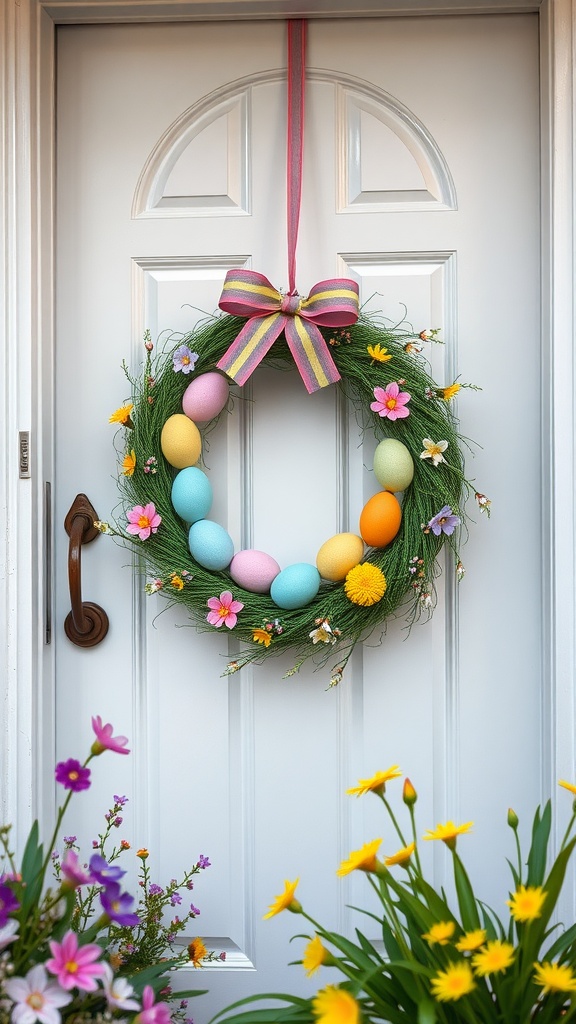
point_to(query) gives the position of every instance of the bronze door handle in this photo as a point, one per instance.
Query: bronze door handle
(87, 624)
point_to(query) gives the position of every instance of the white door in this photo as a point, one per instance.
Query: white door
(421, 180)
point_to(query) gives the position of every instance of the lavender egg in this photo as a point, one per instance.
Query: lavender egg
(254, 570)
(205, 397)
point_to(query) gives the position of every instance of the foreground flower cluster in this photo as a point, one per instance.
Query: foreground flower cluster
(84, 948)
(466, 964)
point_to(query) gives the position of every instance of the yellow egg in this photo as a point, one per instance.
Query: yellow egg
(180, 441)
(393, 465)
(338, 555)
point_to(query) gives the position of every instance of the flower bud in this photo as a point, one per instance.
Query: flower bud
(143, 854)
(409, 794)
(512, 819)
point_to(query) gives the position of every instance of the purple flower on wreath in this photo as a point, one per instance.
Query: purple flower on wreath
(8, 903)
(443, 522)
(391, 402)
(102, 872)
(72, 775)
(116, 906)
(184, 360)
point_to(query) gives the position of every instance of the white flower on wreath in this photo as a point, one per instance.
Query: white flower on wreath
(433, 450)
(324, 634)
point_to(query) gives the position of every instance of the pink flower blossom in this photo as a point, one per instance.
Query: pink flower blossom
(391, 402)
(153, 1013)
(223, 610)
(36, 997)
(74, 965)
(74, 874)
(105, 740)
(143, 520)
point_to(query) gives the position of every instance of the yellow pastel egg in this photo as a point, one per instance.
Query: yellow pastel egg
(393, 465)
(338, 555)
(180, 441)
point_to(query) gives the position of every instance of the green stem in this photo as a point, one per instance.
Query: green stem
(393, 819)
(519, 855)
(416, 854)
(568, 830)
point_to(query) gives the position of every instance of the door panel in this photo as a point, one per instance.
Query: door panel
(421, 180)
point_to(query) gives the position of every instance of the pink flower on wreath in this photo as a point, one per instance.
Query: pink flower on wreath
(223, 610)
(391, 402)
(143, 520)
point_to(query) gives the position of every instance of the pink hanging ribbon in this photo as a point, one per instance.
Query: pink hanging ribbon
(332, 303)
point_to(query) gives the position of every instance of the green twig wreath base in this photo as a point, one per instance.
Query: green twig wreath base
(409, 563)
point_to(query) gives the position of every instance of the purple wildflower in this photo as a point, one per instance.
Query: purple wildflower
(443, 522)
(194, 910)
(74, 873)
(72, 775)
(203, 862)
(155, 890)
(69, 840)
(116, 903)
(184, 360)
(102, 872)
(117, 821)
(120, 800)
(175, 899)
(8, 903)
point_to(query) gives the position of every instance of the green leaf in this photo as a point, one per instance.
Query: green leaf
(561, 944)
(427, 1013)
(515, 874)
(297, 1009)
(465, 894)
(31, 870)
(539, 846)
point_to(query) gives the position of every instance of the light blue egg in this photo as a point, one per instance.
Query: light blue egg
(210, 545)
(295, 586)
(192, 494)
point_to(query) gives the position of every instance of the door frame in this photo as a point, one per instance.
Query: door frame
(27, 39)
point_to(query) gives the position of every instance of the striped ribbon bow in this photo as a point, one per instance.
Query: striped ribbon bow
(331, 303)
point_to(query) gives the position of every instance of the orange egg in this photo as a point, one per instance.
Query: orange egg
(380, 519)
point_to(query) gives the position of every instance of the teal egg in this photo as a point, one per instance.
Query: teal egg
(295, 586)
(210, 545)
(393, 465)
(192, 494)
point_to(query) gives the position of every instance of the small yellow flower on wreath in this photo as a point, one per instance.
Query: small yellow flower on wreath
(365, 584)
(378, 354)
(460, 960)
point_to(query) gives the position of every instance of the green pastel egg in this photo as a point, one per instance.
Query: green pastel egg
(393, 465)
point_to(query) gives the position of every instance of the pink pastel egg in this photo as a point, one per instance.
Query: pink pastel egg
(254, 570)
(205, 397)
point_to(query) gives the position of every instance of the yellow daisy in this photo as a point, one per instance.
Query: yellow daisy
(361, 860)
(262, 636)
(471, 941)
(122, 416)
(448, 832)
(365, 584)
(453, 983)
(527, 902)
(495, 958)
(315, 955)
(568, 785)
(555, 977)
(285, 901)
(378, 354)
(377, 784)
(401, 856)
(333, 1005)
(440, 933)
(129, 463)
(197, 951)
(450, 391)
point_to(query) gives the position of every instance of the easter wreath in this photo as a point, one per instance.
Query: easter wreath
(386, 377)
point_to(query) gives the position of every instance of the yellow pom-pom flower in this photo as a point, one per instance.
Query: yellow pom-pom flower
(365, 584)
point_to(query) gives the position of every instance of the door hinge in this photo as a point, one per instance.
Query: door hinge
(24, 454)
